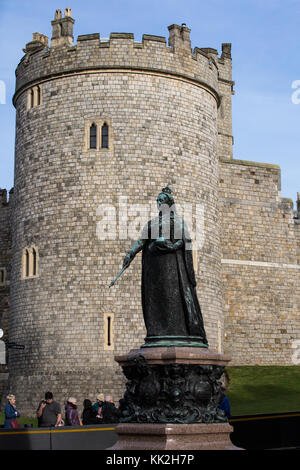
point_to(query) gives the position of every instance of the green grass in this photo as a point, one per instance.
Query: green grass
(263, 389)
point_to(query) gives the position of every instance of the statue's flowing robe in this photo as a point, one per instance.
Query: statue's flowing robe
(169, 298)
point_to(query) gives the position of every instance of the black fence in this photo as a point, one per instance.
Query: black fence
(251, 432)
(266, 431)
(94, 437)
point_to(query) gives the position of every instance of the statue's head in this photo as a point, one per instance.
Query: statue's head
(165, 197)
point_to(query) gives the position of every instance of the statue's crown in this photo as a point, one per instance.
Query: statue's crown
(167, 190)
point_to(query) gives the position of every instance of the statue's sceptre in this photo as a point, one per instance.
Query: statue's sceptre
(116, 278)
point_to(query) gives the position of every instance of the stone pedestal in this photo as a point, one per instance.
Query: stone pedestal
(174, 437)
(175, 354)
(171, 400)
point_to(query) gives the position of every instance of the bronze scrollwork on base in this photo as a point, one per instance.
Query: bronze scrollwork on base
(171, 393)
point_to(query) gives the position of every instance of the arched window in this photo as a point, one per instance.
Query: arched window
(38, 95)
(104, 136)
(93, 136)
(98, 135)
(34, 97)
(30, 260)
(31, 98)
(34, 262)
(26, 263)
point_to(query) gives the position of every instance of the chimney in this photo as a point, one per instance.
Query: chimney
(62, 29)
(38, 40)
(179, 37)
(226, 50)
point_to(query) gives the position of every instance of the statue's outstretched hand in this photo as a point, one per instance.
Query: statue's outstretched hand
(127, 260)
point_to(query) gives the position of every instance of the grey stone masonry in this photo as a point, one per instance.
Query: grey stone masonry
(161, 106)
(166, 111)
(260, 263)
(5, 270)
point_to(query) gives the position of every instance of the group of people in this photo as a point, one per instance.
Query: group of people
(103, 411)
(49, 412)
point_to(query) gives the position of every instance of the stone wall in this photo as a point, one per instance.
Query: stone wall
(261, 265)
(168, 108)
(161, 105)
(5, 258)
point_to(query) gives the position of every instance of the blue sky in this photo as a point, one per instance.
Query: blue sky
(265, 37)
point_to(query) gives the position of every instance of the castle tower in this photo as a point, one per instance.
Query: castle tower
(106, 123)
(5, 269)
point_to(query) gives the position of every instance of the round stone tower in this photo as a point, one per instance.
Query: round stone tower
(101, 127)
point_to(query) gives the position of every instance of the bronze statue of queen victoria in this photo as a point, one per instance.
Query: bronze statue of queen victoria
(164, 385)
(171, 308)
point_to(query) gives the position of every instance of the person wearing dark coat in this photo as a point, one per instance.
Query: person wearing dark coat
(224, 404)
(89, 414)
(110, 413)
(72, 418)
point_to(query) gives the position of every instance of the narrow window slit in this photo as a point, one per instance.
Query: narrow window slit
(108, 331)
(93, 136)
(104, 136)
(34, 262)
(27, 263)
(38, 96)
(31, 98)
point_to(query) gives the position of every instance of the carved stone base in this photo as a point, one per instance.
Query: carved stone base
(172, 385)
(174, 437)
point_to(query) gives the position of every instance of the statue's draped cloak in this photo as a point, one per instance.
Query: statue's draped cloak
(169, 298)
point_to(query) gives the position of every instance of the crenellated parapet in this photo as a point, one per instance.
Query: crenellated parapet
(92, 54)
(5, 199)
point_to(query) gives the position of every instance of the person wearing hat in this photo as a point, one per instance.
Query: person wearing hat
(98, 405)
(72, 417)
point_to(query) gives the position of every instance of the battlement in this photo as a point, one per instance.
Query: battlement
(3, 196)
(4, 200)
(39, 41)
(120, 52)
(297, 211)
